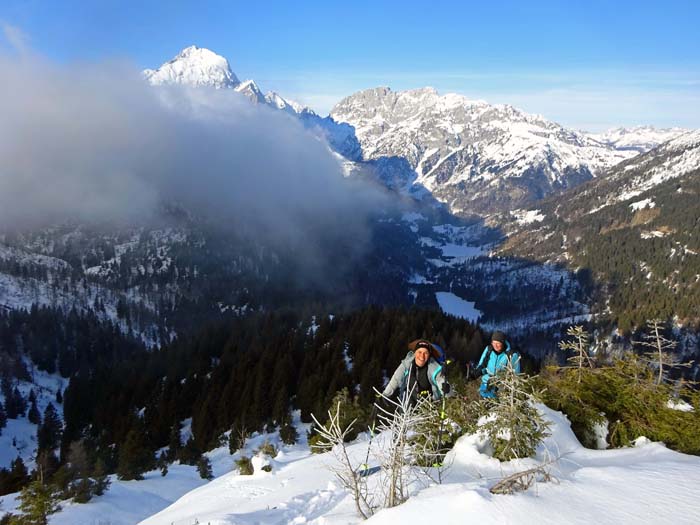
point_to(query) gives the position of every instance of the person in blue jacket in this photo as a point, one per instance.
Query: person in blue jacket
(495, 357)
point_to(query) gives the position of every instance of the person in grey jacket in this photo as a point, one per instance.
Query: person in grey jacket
(419, 374)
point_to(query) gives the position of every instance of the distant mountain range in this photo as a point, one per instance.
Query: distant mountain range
(640, 138)
(475, 157)
(498, 167)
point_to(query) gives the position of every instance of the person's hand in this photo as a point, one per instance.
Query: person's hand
(446, 388)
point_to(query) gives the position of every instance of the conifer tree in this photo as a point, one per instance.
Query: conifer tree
(49, 432)
(83, 490)
(579, 346)
(134, 457)
(3, 418)
(14, 479)
(204, 468)
(658, 349)
(288, 433)
(37, 502)
(8, 394)
(162, 463)
(189, 454)
(33, 415)
(19, 401)
(174, 443)
(99, 474)
(515, 427)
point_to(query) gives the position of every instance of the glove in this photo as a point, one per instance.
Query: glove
(446, 388)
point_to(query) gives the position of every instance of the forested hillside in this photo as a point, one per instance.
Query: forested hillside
(125, 402)
(636, 231)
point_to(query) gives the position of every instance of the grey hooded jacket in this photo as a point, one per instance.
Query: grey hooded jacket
(399, 379)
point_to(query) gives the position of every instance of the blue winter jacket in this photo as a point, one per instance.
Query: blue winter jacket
(496, 362)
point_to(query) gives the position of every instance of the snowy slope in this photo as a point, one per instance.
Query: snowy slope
(471, 154)
(18, 438)
(617, 486)
(642, 485)
(671, 160)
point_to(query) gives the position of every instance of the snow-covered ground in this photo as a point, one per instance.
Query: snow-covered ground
(18, 438)
(646, 484)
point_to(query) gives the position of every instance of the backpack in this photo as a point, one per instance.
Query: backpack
(509, 351)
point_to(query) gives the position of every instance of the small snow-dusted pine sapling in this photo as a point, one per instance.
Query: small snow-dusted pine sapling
(99, 474)
(237, 438)
(267, 449)
(430, 438)
(578, 344)
(245, 466)
(658, 350)
(514, 427)
(288, 434)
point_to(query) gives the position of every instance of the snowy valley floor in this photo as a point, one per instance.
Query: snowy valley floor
(646, 484)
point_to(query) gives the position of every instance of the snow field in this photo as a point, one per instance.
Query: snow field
(646, 484)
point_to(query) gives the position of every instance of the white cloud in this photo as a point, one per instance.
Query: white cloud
(14, 36)
(96, 143)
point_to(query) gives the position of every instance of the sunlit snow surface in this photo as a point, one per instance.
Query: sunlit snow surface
(647, 484)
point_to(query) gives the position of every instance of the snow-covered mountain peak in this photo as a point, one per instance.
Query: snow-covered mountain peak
(251, 90)
(290, 106)
(194, 66)
(464, 150)
(638, 138)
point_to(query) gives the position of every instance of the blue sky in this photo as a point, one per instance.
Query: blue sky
(587, 64)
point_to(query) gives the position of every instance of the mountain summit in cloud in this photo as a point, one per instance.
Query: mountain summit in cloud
(199, 67)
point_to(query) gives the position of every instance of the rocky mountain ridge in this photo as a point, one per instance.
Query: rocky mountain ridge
(474, 156)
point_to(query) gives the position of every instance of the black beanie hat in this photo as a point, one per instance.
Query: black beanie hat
(498, 336)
